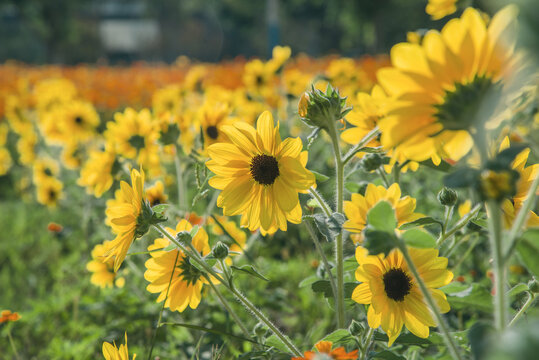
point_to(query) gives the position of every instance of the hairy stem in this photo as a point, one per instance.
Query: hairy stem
(527, 304)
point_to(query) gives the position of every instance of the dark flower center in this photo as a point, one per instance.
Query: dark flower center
(469, 104)
(47, 171)
(52, 195)
(137, 141)
(79, 120)
(397, 284)
(264, 169)
(189, 273)
(259, 80)
(212, 132)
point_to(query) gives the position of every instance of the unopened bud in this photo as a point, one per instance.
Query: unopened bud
(260, 330)
(371, 162)
(220, 250)
(533, 285)
(447, 197)
(184, 237)
(322, 110)
(356, 328)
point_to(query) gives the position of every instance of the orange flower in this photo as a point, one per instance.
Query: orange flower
(7, 315)
(324, 347)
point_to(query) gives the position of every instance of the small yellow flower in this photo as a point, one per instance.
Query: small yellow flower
(111, 352)
(97, 173)
(173, 268)
(392, 292)
(102, 272)
(49, 191)
(259, 175)
(438, 9)
(156, 194)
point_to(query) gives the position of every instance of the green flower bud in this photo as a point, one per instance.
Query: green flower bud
(220, 250)
(260, 330)
(447, 197)
(184, 237)
(320, 109)
(356, 328)
(371, 162)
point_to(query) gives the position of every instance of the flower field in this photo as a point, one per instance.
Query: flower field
(296, 207)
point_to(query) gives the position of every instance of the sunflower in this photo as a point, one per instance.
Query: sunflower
(438, 9)
(325, 351)
(212, 119)
(392, 292)
(5, 161)
(173, 268)
(78, 119)
(167, 100)
(356, 210)
(125, 218)
(26, 147)
(259, 77)
(446, 87)
(111, 352)
(98, 171)
(259, 175)
(156, 194)
(511, 207)
(51, 93)
(102, 272)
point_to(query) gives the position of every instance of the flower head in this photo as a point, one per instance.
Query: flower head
(102, 272)
(172, 275)
(325, 351)
(7, 315)
(388, 286)
(438, 9)
(260, 175)
(98, 171)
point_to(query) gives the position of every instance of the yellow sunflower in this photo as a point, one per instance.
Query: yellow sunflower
(259, 77)
(26, 147)
(156, 194)
(444, 88)
(173, 267)
(393, 294)
(438, 9)
(44, 168)
(102, 272)
(356, 210)
(97, 173)
(124, 218)
(5, 161)
(167, 100)
(78, 120)
(49, 191)
(111, 352)
(212, 118)
(259, 175)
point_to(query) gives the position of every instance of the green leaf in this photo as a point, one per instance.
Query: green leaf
(249, 269)
(506, 157)
(330, 227)
(355, 187)
(444, 166)
(320, 177)
(196, 264)
(517, 289)
(324, 286)
(528, 251)
(460, 178)
(193, 231)
(274, 341)
(160, 208)
(378, 242)
(404, 338)
(478, 335)
(419, 239)
(382, 217)
(341, 337)
(474, 296)
(424, 221)
(385, 354)
(308, 281)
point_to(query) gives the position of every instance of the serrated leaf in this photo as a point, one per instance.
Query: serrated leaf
(320, 177)
(249, 269)
(419, 239)
(528, 251)
(424, 221)
(382, 217)
(474, 296)
(275, 342)
(330, 227)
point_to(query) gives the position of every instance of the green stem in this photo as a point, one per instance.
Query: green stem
(321, 202)
(448, 213)
(228, 308)
(495, 230)
(467, 253)
(459, 225)
(382, 174)
(318, 246)
(431, 303)
(367, 343)
(12, 343)
(257, 313)
(527, 304)
(521, 217)
(182, 201)
(339, 256)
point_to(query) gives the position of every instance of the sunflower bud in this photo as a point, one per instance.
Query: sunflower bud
(184, 237)
(447, 197)
(260, 330)
(533, 285)
(320, 109)
(356, 328)
(220, 250)
(371, 162)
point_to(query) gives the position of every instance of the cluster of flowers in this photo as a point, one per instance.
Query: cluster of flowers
(432, 102)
